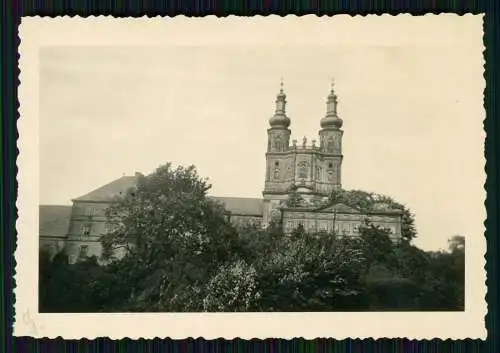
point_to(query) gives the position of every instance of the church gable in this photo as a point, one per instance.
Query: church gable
(338, 208)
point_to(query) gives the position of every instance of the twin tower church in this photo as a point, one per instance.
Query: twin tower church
(299, 179)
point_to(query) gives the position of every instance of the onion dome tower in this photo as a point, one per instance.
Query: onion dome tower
(331, 119)
(331, 141)
(279, 119)
(279, 133)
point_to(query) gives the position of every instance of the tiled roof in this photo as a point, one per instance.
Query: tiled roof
(110, 190)
(236, 205)
(54, 220)
(241, 205)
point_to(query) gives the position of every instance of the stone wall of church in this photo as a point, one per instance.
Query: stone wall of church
(271, 207)
(342, 223)
(307, 166)
(246, 220)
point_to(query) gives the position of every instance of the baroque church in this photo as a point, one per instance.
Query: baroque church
(299, 179)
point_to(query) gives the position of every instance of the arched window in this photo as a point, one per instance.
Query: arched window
(331, 175)
(277, 143)
(318, 173)
(303, 170)
(276, 173)
(329, 145)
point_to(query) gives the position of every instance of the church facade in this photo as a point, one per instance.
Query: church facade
(299, 179)
(311, 172)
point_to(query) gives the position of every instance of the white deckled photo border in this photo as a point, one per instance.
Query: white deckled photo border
(37, 32)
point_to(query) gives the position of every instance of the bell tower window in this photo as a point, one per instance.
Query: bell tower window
(303, 170)
(276, 173)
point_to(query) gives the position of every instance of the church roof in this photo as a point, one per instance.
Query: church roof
(110, 190)
(54, 220)
(241, 205)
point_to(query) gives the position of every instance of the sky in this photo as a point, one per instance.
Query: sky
(412, 119)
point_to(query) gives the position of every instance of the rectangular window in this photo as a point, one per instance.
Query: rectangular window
(85, 230)
(84, 249)
(109, 228)
(90, 212)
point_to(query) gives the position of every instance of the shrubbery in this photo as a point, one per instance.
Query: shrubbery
(183, 255)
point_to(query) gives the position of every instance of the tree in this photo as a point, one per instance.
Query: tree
(377, 247)
(67, 288)
(456, 244)
(366, 201)
(173, 237)
(308, 272)
(180, 253)
(232, 288)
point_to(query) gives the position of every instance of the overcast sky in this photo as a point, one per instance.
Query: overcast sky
(412, 119)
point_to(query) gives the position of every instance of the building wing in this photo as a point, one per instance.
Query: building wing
(241, 205)
(54, 220)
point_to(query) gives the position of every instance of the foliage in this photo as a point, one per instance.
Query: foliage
(313, 272)
(368, 201)
(179, 253)
(232, 288)
(175, 237)
(65, 288)
(405, 277)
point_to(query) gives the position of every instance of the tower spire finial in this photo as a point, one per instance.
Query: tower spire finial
(280, 119)
(331, 119)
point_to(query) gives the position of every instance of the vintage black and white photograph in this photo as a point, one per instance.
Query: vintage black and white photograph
(300, 174)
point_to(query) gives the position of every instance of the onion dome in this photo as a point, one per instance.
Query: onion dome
(331, 120)
(279, 119)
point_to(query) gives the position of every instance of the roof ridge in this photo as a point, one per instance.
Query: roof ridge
(95, 192)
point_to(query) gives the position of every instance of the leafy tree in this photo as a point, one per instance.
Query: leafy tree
(174, 238)
(179, 253)
(232, 288)
(367, 201)
(313, 272)
(456, 244)
(376, 246)
(67, 288)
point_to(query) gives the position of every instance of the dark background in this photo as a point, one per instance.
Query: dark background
(12, 11)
